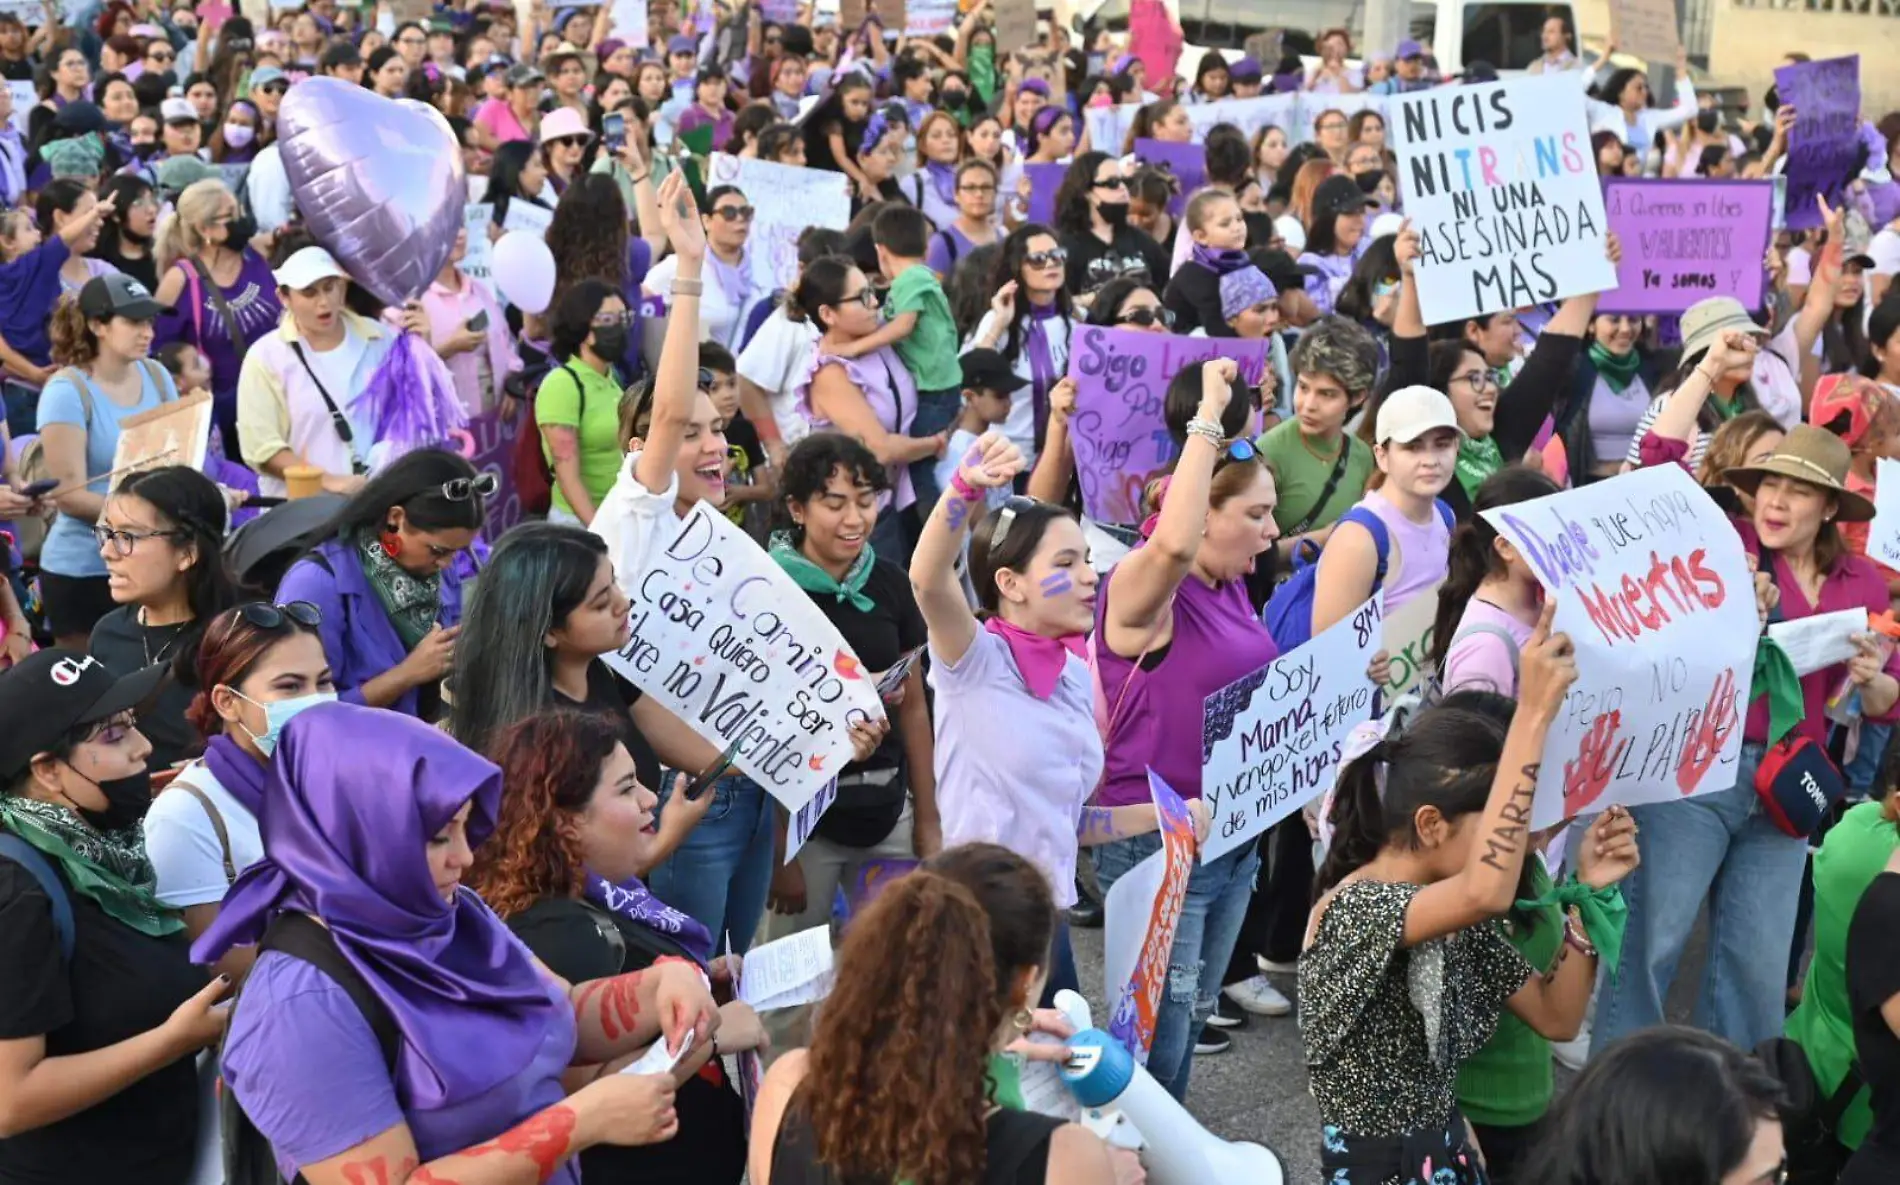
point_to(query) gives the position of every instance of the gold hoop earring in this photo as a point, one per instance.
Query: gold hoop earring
(1023, 1019)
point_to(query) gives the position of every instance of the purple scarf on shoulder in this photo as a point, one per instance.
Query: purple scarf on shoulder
(635, 902)
(238, 772)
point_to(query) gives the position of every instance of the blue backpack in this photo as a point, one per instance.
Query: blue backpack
(13, 848)
(1289, 612)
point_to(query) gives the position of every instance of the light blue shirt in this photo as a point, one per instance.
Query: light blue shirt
(69, 549)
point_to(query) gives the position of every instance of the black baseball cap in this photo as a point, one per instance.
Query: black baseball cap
(1338, 194)
(1285, 272)
(117, 295)
(987, 370)
(46, 695)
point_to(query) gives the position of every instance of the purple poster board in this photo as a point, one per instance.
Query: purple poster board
(1821, 146)
(494, 452)
(1687, 240)
(1044, 180)
(1121, 379)
(1188, 163)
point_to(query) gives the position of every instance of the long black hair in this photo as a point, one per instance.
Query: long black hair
(414, 482)
(1073, 213)
(194, 506)
(1446, 758)
(1665, 1104)
(1379, 265)
(1009, 269)
(1474, 555)
(504, 178)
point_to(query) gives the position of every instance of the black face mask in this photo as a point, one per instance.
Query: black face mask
(127, 800)
(954, 100)
(239, 231)
(147, 151)
(1113, 213)
(610, 342)
(1706, 120)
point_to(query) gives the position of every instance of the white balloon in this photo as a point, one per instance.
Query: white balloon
(523, 269)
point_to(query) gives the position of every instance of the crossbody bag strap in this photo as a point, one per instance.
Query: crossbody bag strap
(1326, 491)
(217, 825)
(218, 302)
(337, 418)
(1154, 635)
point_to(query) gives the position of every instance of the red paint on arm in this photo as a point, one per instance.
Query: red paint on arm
(545, 1138)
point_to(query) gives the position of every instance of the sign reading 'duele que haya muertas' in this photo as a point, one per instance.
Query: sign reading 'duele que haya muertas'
(725, 640)
(1501, 186)
(1653, 588)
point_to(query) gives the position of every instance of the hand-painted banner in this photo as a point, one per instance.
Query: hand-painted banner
(1188, 163)
(1138, 996)
(1648, 29)
(1407, 642)
(1270, 740)
(494, 436)
(1824, 140)
(1249, 115)
(1653, 587)
(1044, 180)
(1118, 432)
(787, 199)
(1500, 182)
(1687, 240)
(927, 18)
(727, 642)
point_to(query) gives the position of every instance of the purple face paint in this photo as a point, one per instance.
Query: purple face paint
(956, 513)
(1055, 584)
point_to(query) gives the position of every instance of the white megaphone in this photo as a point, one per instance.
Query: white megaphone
(1116, 1093)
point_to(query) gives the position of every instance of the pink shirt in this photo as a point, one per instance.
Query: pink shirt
(1481, 660)
(449, 310)
(498, 118)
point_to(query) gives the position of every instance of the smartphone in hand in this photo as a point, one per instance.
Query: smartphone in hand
(697, 788)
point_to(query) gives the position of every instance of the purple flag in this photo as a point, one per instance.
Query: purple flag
(1687, 240)
(1044, 180)
(1121, 380)
(1188, 163)
(1823, 143)
(494, 452)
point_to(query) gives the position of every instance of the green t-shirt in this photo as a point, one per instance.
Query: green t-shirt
(1853, 853)
(592, 408)
(1299, 476)
(1509, 1082)
(930, 352)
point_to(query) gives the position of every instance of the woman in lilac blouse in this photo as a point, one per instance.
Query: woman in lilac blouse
(1723, 847)
(1335, 239)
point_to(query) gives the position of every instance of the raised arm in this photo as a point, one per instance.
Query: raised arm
(675, 386)
(1055, 464)
(990, 464)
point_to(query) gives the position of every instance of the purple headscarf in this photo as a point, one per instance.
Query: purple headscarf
(1243, 289)
(352, 799)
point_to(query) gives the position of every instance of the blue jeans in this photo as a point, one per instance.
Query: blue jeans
(1061, 966)
(23, 405)
(1861, 773)
(722, 872)
(1722, 848)
(1204, 939)
(936, 410)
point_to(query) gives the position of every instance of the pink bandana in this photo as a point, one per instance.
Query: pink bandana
(1040, 659)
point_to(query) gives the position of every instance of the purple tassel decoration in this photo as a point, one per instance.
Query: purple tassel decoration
(412, 401)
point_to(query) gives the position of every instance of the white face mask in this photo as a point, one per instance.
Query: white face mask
(237, 135)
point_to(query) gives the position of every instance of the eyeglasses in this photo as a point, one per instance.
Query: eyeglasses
(273, 88)
(410, 40)
(122, 543)
(569, 141)
(1111, 183)
(265, 616)
(976, 189)
(1332, 125)
(866, 296)
(735, 213)
(1147, 317)
(161, 57)
(1006, 518)
(1477, 380)
(609, 320)
(1053, 258)
(459, 489)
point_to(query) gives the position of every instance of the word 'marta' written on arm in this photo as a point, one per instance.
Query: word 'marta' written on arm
(1505, 844)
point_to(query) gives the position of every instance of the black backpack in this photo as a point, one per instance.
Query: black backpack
(248, 1159)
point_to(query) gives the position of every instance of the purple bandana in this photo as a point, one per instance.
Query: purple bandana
(944, 177)
(1221, 262)
(635, 902)
(735, 279)
(238, 772)
(1042, 366)
(1243, 289)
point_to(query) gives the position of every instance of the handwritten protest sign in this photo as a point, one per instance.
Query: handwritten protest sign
(927, 18)
(1501, 184)
(1015, 25)
(1883, 534)
(1188, 163)
(24, 99)
(726, 641)
(1119, 435)
(789, 971)
(1107, 126)
(478, 262)
(1647, 28)
(1653, 588)
(1270, 740)
(788, 199)
(1313, 105)
(1826, 134)
(803, 822)
(630, 21)
(1153, 918)
(1249, 115)
(1407, 642)
(494, 437)
(174, 433)
(525, 215)
(1687, 240)
(1044, 180)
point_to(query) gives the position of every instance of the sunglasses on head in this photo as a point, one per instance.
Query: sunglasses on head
(735, 213)
(1146, 317)
(459, 489)
(266, 616)
(1006, 518)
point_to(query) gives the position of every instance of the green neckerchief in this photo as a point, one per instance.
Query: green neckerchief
(983, 72)
(1775, 678)
(1477, 460)
(1617, 370)
(813, 579)
(1604, 914)
(1006, 1081)
(109, 869)
(1725, 409)
(411, 602)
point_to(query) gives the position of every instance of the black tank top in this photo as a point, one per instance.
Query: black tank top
(1018, 1150)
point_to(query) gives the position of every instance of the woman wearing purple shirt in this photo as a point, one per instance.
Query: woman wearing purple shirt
(1173, 625)
(1335, 240)
(975, 223)
(709, 107)
(933, 187)
(391, 1018)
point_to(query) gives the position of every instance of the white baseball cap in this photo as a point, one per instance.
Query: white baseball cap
(307, 267)
(1385, 224)
(1410, 412)
(177, 110)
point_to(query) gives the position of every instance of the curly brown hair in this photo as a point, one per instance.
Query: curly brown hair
(588, 235)
(550, 764)
(71, 337)
(900, 1059)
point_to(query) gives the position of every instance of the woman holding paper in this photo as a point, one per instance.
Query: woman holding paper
(1625, 107)
(1725, 843)
(388, 999)
(1173, 625)
(563, 870)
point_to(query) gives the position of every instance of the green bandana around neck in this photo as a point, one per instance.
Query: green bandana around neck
(813, 579)
(1618, 371)
(110, 869)
(412, 602)
(1477, 460)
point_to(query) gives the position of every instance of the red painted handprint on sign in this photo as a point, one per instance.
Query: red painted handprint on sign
(1708, 734)
(1587, 774)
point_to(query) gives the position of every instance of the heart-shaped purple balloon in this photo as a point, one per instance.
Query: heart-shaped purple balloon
(378, 181)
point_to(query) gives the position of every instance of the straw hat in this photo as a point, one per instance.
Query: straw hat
(1813, 455)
